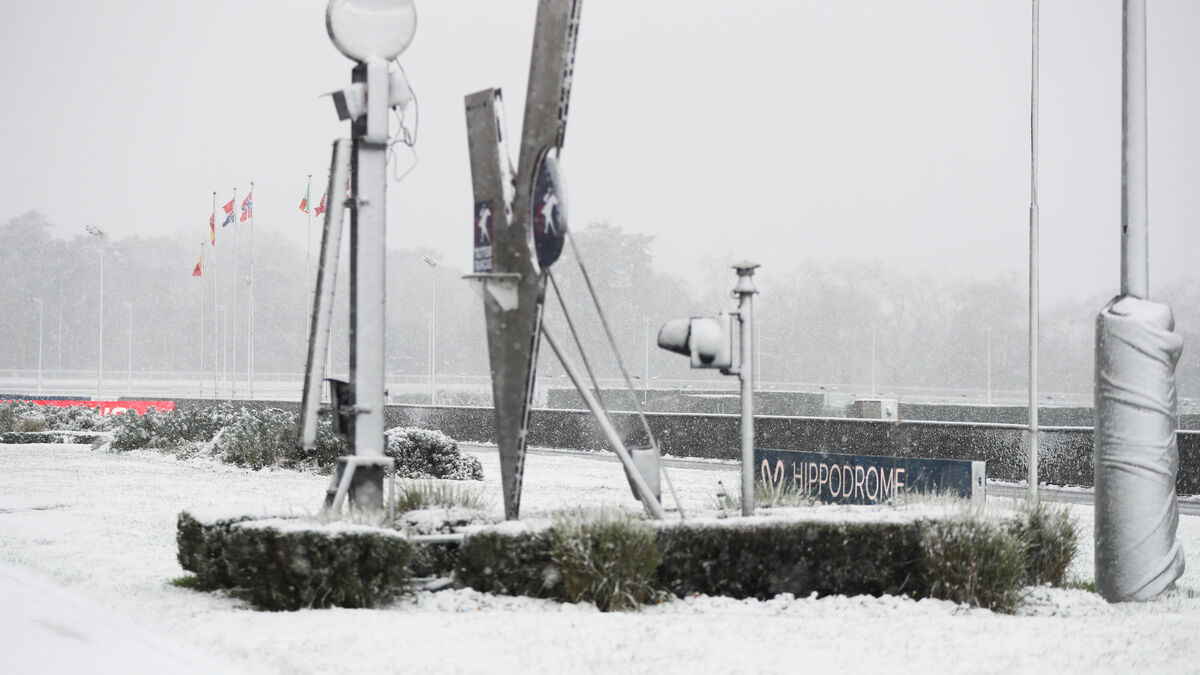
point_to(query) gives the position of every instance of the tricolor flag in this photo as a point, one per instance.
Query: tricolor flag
(196, 272)
(304, 202)
(320, 207)
(212, 228)
(228, 213)
(247, 207)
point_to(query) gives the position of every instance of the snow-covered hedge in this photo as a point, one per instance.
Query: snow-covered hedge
(968, 556)
(423, 453)
(266, 438)
(26, 417)
(290, 565)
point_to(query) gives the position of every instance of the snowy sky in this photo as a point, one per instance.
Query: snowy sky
(776, 131)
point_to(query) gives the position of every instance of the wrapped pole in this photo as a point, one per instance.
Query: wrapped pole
(1136, 459)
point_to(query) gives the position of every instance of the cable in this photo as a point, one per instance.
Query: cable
(578, 343)
(641, 413)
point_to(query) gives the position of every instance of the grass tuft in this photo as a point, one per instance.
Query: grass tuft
(610, 560)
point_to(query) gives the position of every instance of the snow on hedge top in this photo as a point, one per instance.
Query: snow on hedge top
(335, 528)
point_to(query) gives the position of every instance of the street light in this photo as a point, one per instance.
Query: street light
(97, 232)
(39, 302)
(129, 306)
(432, 329)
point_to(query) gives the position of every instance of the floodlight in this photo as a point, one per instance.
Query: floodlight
(371, 29)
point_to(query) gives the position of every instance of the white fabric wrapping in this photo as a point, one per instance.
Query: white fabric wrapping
(1136, 459)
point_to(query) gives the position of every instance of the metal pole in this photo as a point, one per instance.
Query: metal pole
(224, 343)
(1034, 263)
(39, 369)
(367, 280)
(202, 324)
(745, 291)
(989, 366)
(614, 438)
(874, 387)
(97, 232)
(232, 370)
(129, 306)
(250, 302)
(58, 368)
(308, 289)
(216, 294)
(432, 329)
(1135, 268)
(645, 359)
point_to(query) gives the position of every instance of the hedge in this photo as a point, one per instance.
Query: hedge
(288, 565)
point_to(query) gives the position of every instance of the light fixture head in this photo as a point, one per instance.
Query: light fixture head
(371, 29)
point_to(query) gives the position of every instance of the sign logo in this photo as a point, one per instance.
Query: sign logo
(865, 479)
(549, 217)
(485, 234)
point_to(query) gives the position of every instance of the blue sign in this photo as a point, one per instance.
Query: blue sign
(485, 235)
(549, 215)
(866, 479)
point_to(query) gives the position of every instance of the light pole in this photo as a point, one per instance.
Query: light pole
(989, 366)
(39, 302)
(97, 232)
(129, 391)
(646, 360)
(432, 328)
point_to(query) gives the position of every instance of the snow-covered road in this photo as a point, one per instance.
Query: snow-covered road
(91, 538)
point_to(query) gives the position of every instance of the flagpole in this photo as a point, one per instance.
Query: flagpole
(232, 370)
(216, 294)
(201, 267)
(308, 255)
(250, 301)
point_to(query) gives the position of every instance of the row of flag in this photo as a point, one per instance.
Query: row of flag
(247, 212)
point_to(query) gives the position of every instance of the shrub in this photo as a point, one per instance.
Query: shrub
(972, 559)
(75, 418)
(610, 561)
(1051, 542)
(423, 453)
(509, 563)
(282, 565)
(761, 558)
(201, 541)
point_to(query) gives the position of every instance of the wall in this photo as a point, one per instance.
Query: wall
(1065, 452)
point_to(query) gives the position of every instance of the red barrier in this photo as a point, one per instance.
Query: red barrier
(111, 407)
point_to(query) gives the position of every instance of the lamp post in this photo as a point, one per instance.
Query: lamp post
(97, 232)
(39, 303)
(129, 388)
(432, 329)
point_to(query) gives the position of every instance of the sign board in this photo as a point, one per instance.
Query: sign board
(109, 407)
(866, 479)
(549, 216)
(485, 235)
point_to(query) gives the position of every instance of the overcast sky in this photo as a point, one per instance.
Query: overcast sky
(776, 131)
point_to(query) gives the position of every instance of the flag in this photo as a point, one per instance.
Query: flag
(247, 207)
(304, 202)
(196, 272)
(320, 207)
(212, 228)
(347, 187)
(228, 214)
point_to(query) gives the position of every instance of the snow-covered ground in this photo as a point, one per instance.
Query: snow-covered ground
(87, 553)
